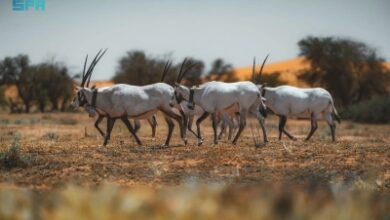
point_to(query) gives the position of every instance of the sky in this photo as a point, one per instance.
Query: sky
(203, 29)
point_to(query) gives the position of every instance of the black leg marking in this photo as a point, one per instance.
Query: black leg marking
(171, 125)
(241, 128)
(126, 121)
(282, 124)
(110, 125)
(97, 122)
(137, 125)
(313, 126)
(202, 118)
(215, 127)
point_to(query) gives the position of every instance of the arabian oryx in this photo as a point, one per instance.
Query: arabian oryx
(126, 101)
(313, 103)
(214, 97)
(137, 125)
(226, 118)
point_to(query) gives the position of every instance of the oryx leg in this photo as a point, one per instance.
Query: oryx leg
(261, 121)
(242, 125)
(282, 124)
(97, 122)
(314, 126)
(198, 121)
(235, 119)
(178, 119)
(110, 125)
(171, 126)
(153, 124)
(332, 125)
(126, 121)
(137, 125)
(189, 125)
(215, 126)
(223, 126)
(184, 121)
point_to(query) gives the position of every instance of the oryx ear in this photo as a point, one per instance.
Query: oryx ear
(93, 87)
(177, 84)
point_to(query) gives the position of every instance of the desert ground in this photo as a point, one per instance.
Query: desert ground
(68, 174)
(65, 148)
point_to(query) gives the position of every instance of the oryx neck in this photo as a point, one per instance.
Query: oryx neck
(90, 96)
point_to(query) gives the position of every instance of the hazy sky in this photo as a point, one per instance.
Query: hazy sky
(233, 30)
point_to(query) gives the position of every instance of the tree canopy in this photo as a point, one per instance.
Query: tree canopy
(351, 70)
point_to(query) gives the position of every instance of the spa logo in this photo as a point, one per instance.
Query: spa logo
(26, 5)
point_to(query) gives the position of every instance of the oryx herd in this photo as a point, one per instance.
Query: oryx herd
(229, 104)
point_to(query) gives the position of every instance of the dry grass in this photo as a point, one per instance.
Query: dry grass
(71, 153)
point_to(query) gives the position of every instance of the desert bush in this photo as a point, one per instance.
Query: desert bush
(50, 136)
(13, 157)
(376, 110)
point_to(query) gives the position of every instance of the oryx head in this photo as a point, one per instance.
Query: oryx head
(80, 100)
(262, 100)
(181, 92)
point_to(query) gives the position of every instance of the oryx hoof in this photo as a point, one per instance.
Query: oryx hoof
(185, 142)
(200, 142)
(266, 141)
(215, 142)
(164, 145)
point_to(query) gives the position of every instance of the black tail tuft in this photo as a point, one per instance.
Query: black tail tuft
(336, 117)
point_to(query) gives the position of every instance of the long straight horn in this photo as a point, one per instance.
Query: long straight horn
(87, 73)
(187, 69)
(166, 69)
(94, 64)
(253, 69)
(85, 65)
(262, 66)
(179, 77)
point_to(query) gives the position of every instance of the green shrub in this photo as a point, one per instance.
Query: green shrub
(12, 157)
(376, 110)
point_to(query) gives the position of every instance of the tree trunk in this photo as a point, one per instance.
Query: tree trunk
(54, 105)
(42, 106)
(26, 106)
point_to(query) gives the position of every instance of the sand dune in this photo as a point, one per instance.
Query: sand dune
(288, 69)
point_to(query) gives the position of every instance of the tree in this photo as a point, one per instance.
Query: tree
(350, 70)
(269, 79)
(3, 99)
(42, 83)
(138, 69)
(222, 71)
(15, 70)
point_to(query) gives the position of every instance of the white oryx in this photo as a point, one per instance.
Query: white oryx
(215, 97)
(225, 118)
(137, 125)
(126, 101)
(313, 103)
